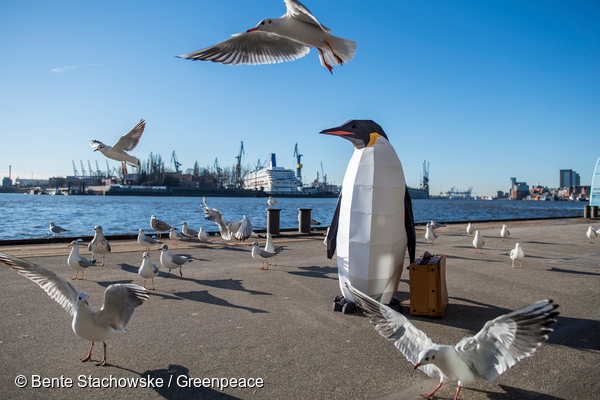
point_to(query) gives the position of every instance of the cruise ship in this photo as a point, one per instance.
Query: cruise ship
(272, 179)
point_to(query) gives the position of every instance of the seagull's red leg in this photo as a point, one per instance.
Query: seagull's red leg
(145, 283)
(89, 356)
(180, 273)
(457, 390)
(169, 274)
(325, 62)
(76, 273)
(430, 395)
(152, 288)
(275, 261)
(81, 275)
(103, 362)
(336, 56)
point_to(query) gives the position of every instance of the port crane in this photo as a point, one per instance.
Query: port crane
(298, 165)
(238, 167)
(323, 174)
(425, 181)
(83, 174)
(75, 169)
(176, 162)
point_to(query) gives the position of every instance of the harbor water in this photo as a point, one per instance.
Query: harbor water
(27, 216)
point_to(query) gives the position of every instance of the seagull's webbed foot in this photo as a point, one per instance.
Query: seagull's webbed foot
(339, 60)
(103, 362)
(89, 356)
(325, 62)
(430, 395)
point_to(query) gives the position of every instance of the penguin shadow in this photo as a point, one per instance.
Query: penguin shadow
(316, 272)
(175, 385)
(568, 271)
(202, 296)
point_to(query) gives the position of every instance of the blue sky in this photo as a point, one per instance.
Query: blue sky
(482, 90)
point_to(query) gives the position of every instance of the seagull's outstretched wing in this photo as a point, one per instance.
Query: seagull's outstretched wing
(394, 326)
(297, 10)
(56, 287)
(120, 302)
(128, 141)
(251, 48)
(507, 339)
(244, 232)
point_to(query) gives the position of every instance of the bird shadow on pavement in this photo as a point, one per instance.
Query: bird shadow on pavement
(229, 284)
(568, 271)
(512, 393)
(203, 296)
(129, 268)
(546, 243)
(108, 283)
(316, 272)
(237, 248)
(176, 385)
(471, 258)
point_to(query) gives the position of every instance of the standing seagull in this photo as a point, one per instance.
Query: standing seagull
(119, 150)
(188, 232)
(271, 202)
(76, 261)
(470, 229)
(591, 233)
(435, 225)
(478, 242)
(171, 261)
(261, 255)
(270, 247)
(99, 244)
(158, 225)
(517, 254)
(147, 269)
(504, 233)
(175, 236)
(57, 230)
(146, 241)
(430, 233)
(120, 301)
(498, 346)
(275, 40)
(203, 236)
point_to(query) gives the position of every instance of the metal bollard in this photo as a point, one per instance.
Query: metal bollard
(304, 219)
(594, 212)
(586, 212)
(273, 221)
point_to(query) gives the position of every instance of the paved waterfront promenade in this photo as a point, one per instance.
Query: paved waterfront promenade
(227, 319)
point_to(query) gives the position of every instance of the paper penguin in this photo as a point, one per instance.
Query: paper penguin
(373, 222)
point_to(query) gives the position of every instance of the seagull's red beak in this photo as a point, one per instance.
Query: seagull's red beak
(417, 365)
(251, 30)
(96, 149)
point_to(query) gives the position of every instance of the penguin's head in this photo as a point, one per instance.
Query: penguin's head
(362, 133)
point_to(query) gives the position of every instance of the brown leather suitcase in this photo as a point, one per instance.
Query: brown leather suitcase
(428, 292)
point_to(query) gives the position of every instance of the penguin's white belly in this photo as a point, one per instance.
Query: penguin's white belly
(372, 240)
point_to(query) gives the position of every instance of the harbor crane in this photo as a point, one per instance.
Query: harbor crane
(298, 165)
(98, 172)
(425, 182)
(323, 174)
(218, 171)
(90, 169)
(83, 174)
(176, 162)
(75, 169)
(108, 174)
(238, 168)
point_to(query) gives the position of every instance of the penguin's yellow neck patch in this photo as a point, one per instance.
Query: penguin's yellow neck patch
(374, 136)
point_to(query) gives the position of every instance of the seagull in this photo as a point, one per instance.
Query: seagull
(478, 242)
(171, 261)
(120, 301)
(158, 225)
(203, 236)
(430, 234)
(57, 230)
(99, 244)
(188, 232)
(147, 269)
(270, 247)
(435, 225)
(271, 202)
(314, 221)
(470, 229)
(226, 229)
(591, 233)
(76, 261)
(175, 236)
(498, 346)
(517, 254)
(119, 150)
(275, 40)
(146, 241)
(261, 255)
(504, 233)
(245, 230)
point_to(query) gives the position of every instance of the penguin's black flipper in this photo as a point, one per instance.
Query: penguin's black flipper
(333, 229)
(409, 226)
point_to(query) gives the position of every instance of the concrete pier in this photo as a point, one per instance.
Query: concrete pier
(226, 319)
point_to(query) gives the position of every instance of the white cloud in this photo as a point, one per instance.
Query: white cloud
(62, 69)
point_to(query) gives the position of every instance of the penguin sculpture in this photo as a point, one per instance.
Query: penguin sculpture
(373, 221)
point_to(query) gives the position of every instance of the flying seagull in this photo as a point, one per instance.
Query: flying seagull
(498, 346)
(120, 301)
(119, 150)
(227, 229)
(275, 40)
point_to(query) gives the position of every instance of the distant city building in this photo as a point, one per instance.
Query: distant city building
(569, 178)
(6, 182)
(518, 190)
(31, 182)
